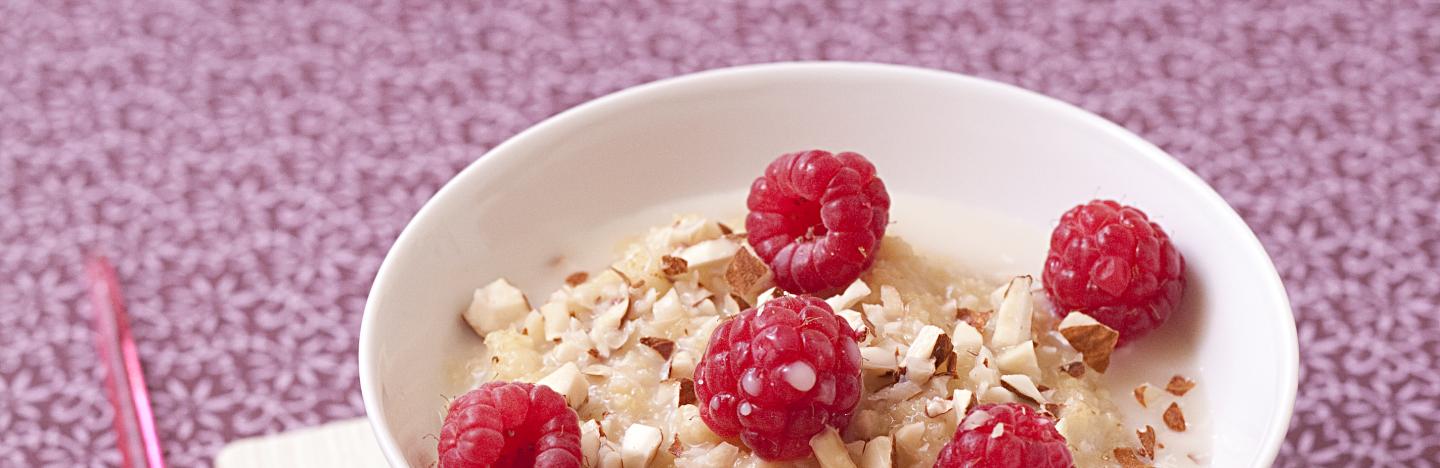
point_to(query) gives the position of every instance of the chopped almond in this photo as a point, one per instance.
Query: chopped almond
(830, 450)
(576, 278)
(1174, 419)
(1178, 385)
(975, 318)
(1075, 369)
(687, 392)
(1021, 385)
(675, 448)
(1140, 395)
(747, 275)
(660, 345)
(673, 266)
(1092, 339)
(1147, 441)
(1130, 458)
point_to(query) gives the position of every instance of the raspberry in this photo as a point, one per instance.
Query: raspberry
(817, 219)
(778, 375)
(1111, 262)
(1027, 439)
(510, 424)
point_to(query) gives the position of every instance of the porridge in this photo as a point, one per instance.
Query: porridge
(934, 354)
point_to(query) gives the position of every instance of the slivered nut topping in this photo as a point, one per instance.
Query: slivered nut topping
(576, 278)
(1092, 339)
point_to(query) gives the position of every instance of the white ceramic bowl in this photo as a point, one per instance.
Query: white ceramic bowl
(968, 140)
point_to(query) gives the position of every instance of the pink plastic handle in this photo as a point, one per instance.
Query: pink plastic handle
(124, 379)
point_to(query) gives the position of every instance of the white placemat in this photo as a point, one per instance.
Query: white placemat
(340, 444)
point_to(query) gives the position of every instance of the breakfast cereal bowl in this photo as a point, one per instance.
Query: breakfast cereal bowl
(979, 173)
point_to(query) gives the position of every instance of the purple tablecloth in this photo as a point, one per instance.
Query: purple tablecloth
(247, 164)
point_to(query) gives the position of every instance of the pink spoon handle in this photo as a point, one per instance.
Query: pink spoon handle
(124, 380)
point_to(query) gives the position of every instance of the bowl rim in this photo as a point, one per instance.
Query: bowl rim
(501, 157)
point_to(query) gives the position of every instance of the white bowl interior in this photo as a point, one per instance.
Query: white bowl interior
(936, 134)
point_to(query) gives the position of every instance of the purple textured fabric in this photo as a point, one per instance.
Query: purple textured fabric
(247, 164)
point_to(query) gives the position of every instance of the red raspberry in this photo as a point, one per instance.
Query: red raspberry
(510, 424)
(817, 219)
(1111, 262)
(778, 375)
(1028, 439)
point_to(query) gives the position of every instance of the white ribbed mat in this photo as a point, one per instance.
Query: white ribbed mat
(347, 444)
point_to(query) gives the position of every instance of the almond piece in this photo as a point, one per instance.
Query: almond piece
(639, 445)
(682, 365)
(675, 448)
(1174, 419)
(1129, 458)
(710, 252)
(609, 332)
(830, 449)
(879, 453)
(686, 394)
(857, 321)
(973, 318)
(1092, 339)
(1140, 396)
(997, 394)
(590, 439)
(576, 278)
(1075, 369)
(1023, 386)
(747, 275)
(910, 437)
(853, 294)
(1012, 321)
(662, 346)
(568, 382)
(962, 400)
(938, 407)
(1019, 359)
(1179, 385)
(1147, 441)
(557, 319)
(879, 358)
(930, 348)
(673, 266)
(496, 306)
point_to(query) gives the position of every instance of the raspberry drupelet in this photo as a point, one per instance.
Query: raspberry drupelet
(816, 218)
(776, 375)
(1111, 262)
(1008, 435)
(510, 424)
